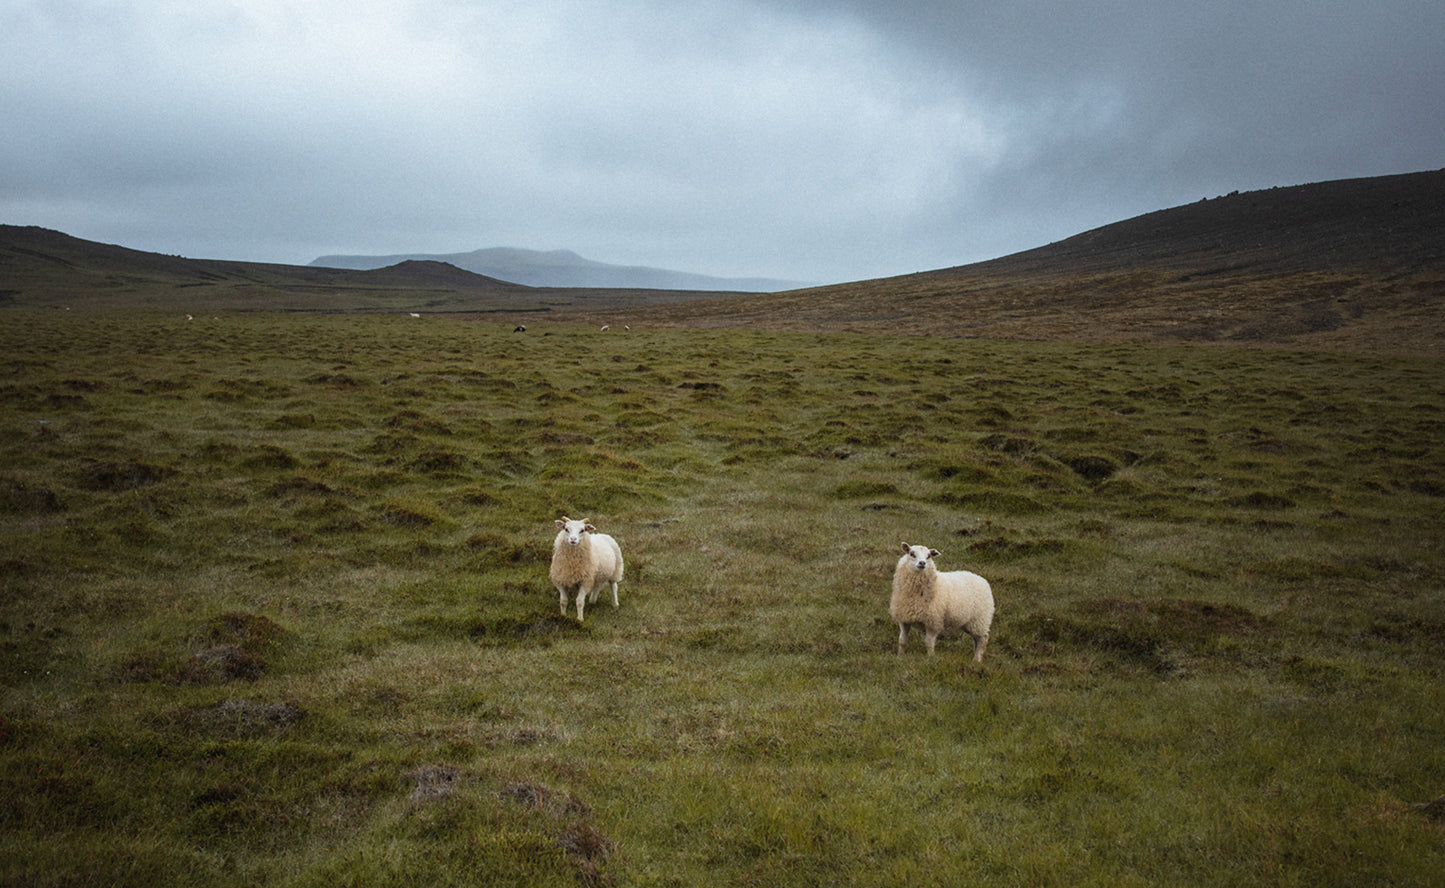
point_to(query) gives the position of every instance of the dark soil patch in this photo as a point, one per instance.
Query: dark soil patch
(250, 631)
(116, 477)
(401, 516)
(1093, 468)
(270, 457)
(221, 664)
(17, 496)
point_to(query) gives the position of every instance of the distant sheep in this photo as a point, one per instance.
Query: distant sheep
(520, 328)
(606, 327)
(585, 560)
(938, 602)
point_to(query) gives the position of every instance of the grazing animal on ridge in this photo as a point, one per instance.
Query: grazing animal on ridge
(585, 560)
(938, 602)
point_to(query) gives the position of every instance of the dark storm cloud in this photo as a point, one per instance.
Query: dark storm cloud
(1196, 95)
(1108, 109)
(812, 139)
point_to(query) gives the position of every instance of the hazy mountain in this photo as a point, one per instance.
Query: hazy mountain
(564, 268)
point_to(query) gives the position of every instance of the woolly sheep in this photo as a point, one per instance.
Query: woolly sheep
(585, 560)
(939, 602)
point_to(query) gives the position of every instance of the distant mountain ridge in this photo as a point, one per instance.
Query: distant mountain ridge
(563, 268)
(40, 267)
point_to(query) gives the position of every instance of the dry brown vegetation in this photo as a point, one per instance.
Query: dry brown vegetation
(1356, 266)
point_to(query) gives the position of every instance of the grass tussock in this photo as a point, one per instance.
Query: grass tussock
(276, 609)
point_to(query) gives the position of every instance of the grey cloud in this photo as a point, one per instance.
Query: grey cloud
(803, 139)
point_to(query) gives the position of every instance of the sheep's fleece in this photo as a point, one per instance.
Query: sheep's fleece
(938, 602)
(585, 560)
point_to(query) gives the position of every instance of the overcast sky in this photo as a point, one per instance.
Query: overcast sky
(813, 140)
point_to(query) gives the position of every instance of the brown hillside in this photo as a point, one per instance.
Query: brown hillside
(1355, 265)
(43, 268)
(40, 268)
(1385, 222)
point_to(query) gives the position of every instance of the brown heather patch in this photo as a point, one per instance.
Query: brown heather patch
(221, 664)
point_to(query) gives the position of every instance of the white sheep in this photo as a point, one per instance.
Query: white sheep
(585, 560)
(939, 602)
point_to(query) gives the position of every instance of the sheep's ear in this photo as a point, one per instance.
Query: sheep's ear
(561, 522)
(907, 548)
(932, 553)
(590, 528)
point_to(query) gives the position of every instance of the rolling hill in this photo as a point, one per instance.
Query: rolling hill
(1350, 265)
(43, 268)
(40, 268)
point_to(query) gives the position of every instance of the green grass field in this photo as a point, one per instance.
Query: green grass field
(276, 609)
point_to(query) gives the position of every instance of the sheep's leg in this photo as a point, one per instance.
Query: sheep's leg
(979, 643)
(902, 637)
(614, 595)
(929, 638)
(581, 599)
(562, 598)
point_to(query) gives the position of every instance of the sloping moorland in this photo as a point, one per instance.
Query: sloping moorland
(274, 604)
(1352, 265)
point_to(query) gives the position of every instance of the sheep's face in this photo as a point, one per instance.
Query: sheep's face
(919, 556)
(574, 529)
